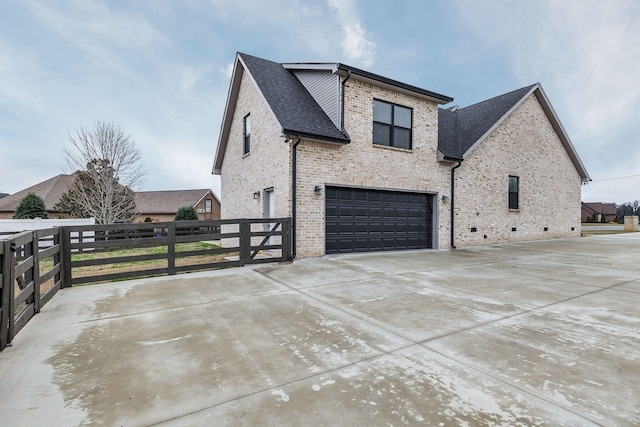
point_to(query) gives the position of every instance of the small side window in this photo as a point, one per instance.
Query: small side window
(514, 189)
(247, 133)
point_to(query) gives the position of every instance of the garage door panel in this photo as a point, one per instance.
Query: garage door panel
(360, 212)
(360, 220)
(331, 211)
(331, 229)
(375, 244)
(345, 228)
(361, 228)
(375, 212)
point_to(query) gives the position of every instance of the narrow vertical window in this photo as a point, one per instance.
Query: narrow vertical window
(247, 133)
(513, 192)
(207, 205)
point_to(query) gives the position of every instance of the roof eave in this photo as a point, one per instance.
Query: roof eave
(498, 123)
(316, 66)
(447, 159)
(232, 98)
(564, 137)
(229, 108)
(555, 123)
(315, 137)
(394, 85)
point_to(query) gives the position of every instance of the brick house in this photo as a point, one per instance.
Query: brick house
(163, 205)
(49, 190)
(364, 163)
(157, 205)
(600, 210)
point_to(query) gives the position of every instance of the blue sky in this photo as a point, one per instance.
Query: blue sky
(161, 69)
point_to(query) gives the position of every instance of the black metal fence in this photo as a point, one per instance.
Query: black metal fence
(34, 265)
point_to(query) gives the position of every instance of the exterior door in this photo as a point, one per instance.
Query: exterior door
(269, 210)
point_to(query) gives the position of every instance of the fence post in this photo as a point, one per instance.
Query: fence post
(171, 249)
(10, 263)
(244, 241)
(5, 266)
(56, 256)
(65, 257)
(35, 253)
(286, 239)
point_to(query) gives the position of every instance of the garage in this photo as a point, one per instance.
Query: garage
(365, 220)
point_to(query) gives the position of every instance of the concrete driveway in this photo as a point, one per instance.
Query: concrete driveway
(540, 333)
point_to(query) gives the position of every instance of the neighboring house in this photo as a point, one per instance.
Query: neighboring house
(157, 205)
(50, 191)
(3, 195)
(608, 210)
(163, 205)
(365, 163)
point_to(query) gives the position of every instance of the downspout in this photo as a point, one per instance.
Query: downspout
(293, 196)
(453, 201)
(344, 82)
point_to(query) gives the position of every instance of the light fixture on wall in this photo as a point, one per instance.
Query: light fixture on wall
(445, 199)
(318, 190)
(256, 195)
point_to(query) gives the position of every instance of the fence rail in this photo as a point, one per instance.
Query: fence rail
(34, 265)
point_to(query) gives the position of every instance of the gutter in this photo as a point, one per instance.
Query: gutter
(293, 195)
(453, 201)
(344, 82)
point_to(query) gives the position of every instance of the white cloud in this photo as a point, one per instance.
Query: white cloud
(587, 51)
(586, 54)
(89, 22)
(227, 70)
(356, 47)
(601, 65)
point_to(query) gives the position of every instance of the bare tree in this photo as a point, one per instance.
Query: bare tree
(108, 171)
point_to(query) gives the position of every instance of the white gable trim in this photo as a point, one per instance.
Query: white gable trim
(239, 69)
(498, 123)
(555, 123)
(205, 195)
(564, 137)
(255, 85)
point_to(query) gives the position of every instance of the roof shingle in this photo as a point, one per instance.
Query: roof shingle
(294, 108)
(459, 130)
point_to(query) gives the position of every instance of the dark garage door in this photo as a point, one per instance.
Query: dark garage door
(363, 220)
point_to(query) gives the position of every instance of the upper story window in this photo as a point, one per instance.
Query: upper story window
(391, 124)
(247, 133)
(514, 189)
(207, 205)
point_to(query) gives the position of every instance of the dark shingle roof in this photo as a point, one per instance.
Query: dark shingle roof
(459, 130)
(441, 99)
(295, 109)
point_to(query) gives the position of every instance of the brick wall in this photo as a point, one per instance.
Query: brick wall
(524, 145)
(363, 164)
(266, 166)
(215, 208)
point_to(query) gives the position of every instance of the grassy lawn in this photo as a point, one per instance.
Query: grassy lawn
(590, 229)
(111, 268)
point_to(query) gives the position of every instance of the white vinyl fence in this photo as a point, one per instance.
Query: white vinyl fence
(9, 227)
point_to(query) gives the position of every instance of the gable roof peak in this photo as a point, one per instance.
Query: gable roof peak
(461, 131)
